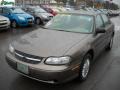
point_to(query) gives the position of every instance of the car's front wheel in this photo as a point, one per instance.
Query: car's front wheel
(110, 45)
(85, 67)
(13, 24)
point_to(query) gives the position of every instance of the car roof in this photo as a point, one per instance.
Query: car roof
(91, 13)
(9, 7)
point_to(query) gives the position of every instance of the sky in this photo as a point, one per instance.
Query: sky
(117, 2)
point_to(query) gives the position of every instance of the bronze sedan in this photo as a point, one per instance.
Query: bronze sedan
(64, 49)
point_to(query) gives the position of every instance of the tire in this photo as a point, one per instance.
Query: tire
(13, 24)
(85, 67)
(109, 46)
(38, 21)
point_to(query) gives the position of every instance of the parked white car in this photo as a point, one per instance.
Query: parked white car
(4, 23)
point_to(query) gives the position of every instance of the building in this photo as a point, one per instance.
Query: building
(22, 2)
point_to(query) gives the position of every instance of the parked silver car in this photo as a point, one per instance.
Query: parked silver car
(4, 23)
(40, 15)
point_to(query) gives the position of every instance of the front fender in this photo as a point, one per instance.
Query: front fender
(78, 51)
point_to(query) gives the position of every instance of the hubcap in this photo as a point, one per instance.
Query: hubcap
(14, 24)
(38, 21)
(86, 68)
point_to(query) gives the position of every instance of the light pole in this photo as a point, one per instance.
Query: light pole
(110, 3)
(93, 3)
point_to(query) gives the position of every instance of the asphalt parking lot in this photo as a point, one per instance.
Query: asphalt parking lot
(104, 75)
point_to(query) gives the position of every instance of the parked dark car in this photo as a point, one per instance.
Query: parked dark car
(64, 49)
(40, 15)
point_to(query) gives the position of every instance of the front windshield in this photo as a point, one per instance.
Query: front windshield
(39, 10)
(71, 23)
(17, 10)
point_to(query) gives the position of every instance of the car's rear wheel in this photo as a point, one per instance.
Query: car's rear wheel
(13, 24)
(110, 45)
(85, 67)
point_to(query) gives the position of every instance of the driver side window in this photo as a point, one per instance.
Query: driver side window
(6, 11)
(99, 22)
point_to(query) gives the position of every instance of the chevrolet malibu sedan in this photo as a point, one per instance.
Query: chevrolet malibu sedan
(64, 49)
(17, 16)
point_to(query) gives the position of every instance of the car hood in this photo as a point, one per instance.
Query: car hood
(3, 18)
(25, 15)
(47, 43)
(44, 14)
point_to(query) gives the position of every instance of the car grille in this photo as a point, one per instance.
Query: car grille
(3, 23)
(3, 20)
(27, 57)
(50, 17)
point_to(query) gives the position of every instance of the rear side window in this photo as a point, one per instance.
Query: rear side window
(99, 22)
(105, 19)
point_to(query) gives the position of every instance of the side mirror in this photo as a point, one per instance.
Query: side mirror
(8, 13)
(100, 30)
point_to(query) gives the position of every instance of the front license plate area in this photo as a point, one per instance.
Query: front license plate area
(22, 68)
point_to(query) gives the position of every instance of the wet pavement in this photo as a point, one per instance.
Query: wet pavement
(104, 75)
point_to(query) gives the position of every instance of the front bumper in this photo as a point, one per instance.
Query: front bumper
(25, 23)
(47, 76)
(46, 20)
(4, 27)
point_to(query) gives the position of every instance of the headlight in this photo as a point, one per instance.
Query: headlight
(21, 18)
(33, 18)
(11, 49)
(58, 61)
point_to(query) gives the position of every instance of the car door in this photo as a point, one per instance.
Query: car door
(109, 27)
(99, 39)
